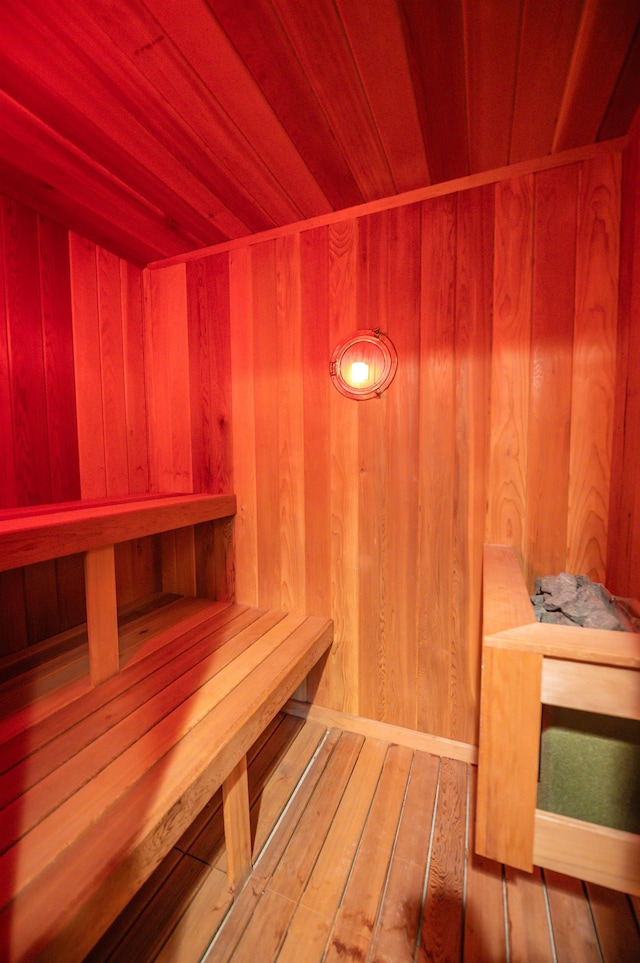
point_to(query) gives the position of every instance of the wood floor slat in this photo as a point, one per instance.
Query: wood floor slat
(615, 924)
(398, 922)
(365, 854)
(528, 923)
(571, 921)
(441, 930)
(358, 911)
(484, 929)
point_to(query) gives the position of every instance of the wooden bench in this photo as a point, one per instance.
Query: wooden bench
(98, 785)
(526, 663)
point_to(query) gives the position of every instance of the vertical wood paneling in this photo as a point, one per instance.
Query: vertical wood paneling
(290, 425)
(26, 355)
(594, 358)
(8, 493)
(55, 293)
(72, 391)
(316, 349)
(244, 425)
(474, 273)
(343, 418)
(265, 367)
(112, 371)
(86, 346)
(502, 302)
(436, 463)
(487, 296)
(375, 514)
(210, 374)
(551, 363)
(167, 354)
(134, 375)
(510, 362)
(402, 295)
(623, 553)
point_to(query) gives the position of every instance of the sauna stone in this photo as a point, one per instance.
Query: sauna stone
(575, 600)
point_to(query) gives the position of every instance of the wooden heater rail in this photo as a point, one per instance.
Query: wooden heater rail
(525, 664)
(96, 790)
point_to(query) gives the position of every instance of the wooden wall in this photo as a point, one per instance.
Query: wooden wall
(509, 418)
(502, 301)
(623, 561)
(73, 421)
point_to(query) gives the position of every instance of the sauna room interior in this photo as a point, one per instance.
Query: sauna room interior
(201, 202)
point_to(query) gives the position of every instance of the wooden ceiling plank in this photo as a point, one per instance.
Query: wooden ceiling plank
(434, 39)
(257, 35)
(548, 33)
(59, 207)
(623, 106)
(605, 35)
(183, 124)
(36, 150)
(376, 37)
(316, 34)
(63, 117)
(492, 36)
(204, 44)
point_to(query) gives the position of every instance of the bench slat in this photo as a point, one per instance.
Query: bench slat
(104, 861)
(92, 723)
(83, 786)
(37, 537)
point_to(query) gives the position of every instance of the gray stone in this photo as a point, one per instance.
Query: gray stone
(555, 618)
(575, 600)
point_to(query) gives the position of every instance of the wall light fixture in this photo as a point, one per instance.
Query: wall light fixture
(364, 364)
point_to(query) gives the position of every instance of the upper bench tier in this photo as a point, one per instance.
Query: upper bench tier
(44, 532)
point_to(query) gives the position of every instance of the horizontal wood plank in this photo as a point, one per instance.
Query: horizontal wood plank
(575, 643)
(37, 537)
(592, 688)
(598, 854)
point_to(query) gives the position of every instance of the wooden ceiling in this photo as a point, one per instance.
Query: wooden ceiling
(155, 127)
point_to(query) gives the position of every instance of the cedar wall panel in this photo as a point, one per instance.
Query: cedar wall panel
(623, 559)
(73, 420)
(502, 301)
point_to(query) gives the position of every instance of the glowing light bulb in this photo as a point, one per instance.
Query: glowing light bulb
(359, 372)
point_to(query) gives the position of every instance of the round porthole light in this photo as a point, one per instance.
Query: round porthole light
(364, 364)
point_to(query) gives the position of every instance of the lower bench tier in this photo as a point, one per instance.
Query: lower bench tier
(94, 795)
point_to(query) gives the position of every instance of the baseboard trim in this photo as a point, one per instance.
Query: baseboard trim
(436, 745)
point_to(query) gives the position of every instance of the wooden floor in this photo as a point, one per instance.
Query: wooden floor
(363, 851)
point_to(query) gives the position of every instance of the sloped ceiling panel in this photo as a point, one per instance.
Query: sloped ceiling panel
(160, 127)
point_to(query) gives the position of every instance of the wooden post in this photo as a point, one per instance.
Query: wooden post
(102, 613)
(237, 827)
(508, 755)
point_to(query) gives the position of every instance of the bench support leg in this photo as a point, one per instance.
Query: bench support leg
(102, 613)
(237, 827)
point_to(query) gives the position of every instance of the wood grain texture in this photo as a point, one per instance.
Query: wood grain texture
(510, 362)
(474, 255)
(25, 339)
(210, 374)
(433, 31)
(167, 353)
(574, 934)
(549, 418)
(437, 465)
(441, 928)
(508, 755)
(623, 555)
(102, 618)
(594, 359)
(244, 424)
